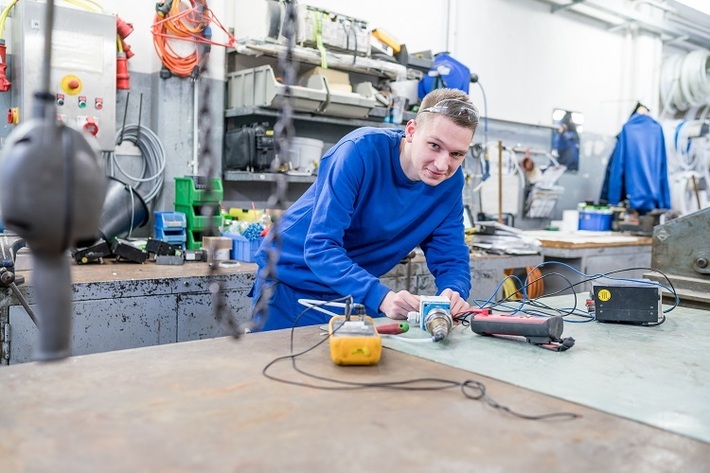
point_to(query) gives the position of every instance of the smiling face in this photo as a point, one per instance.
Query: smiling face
(433, 149)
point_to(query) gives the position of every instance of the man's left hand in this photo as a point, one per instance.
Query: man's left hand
(458, 304)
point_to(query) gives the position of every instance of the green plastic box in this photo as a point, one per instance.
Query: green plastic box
(197, 221)
(192, 190)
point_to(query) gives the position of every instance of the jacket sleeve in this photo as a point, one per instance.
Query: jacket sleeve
(616, 173)
(447, 254)
(665, 198)
(339, 181)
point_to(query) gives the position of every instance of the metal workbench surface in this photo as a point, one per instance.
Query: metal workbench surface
(127, 305)
(205, 406)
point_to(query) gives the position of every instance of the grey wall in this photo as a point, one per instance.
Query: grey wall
(167, 109)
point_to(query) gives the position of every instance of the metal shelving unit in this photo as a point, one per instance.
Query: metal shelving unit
(376, 117)
(246, 176)
(243, 188)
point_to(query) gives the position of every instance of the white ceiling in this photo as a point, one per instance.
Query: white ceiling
(700, 5)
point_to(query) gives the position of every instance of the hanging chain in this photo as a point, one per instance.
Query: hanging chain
(208, 166)
(283, 137)
(283, 133)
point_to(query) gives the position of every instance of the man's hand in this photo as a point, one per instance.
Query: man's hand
(398, 305)
(458, 304)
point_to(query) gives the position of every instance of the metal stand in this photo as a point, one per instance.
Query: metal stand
(681, 250)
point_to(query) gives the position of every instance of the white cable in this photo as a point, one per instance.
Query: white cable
(688, 157)
(685, 81)
(695, 77)
(408, 340)
(683, 196)
(669, 84)
(153, 154)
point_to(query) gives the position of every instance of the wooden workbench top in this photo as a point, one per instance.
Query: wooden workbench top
(205, 406)
(587, 239)
(112, 270)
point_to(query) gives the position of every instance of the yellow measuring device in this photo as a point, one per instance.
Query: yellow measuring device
(354, 340)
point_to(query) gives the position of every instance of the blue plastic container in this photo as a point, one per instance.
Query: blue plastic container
(595, 220)
(243, 249)
(170, 227)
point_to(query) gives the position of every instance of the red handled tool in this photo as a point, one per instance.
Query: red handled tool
(392, 328)
(543, 332)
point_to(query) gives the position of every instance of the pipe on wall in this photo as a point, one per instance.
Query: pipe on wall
(680, 28)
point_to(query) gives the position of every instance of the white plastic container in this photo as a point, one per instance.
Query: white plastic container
(306, 154)
(258, 87)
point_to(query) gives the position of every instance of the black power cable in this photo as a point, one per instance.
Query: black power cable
(471, 389)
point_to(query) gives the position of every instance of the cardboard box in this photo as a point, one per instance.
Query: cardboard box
(217, 248)
(338, 81)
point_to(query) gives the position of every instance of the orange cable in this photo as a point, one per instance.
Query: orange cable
(536, 284)
(179, 64)
(186, 25)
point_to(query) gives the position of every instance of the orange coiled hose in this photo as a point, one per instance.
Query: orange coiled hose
(535, 284)
(186, 25)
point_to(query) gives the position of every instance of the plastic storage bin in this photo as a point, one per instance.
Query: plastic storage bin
(595, 220)
(306, 154)
(243, 249)
(170, 227)
(342, 104)
(257, 87)
(197, 221)
(192, 190)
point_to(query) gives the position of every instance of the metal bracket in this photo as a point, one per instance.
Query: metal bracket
(5, 348)
(556, 8)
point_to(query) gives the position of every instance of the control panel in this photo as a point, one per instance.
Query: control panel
(83, 74)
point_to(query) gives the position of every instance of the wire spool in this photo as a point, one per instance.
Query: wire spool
(685, 81)
(510, 290)
(688, 155)
(531, 275)
(535, 282)
(153, 153)
(175, 36)
(686, 197)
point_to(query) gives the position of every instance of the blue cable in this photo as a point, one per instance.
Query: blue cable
(574, 311)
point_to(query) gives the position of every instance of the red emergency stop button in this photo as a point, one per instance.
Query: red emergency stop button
(71, 84)
(91, 126)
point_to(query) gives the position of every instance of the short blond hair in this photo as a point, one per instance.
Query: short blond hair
(436, 96)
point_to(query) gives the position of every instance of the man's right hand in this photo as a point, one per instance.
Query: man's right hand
(396, 305)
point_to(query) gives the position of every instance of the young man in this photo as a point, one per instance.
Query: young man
(379, 194)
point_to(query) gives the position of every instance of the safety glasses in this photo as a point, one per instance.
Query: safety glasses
(454, 108)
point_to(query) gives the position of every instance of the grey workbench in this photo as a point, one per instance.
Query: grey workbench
(124, 305)
(205, 406)
(591, 253)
